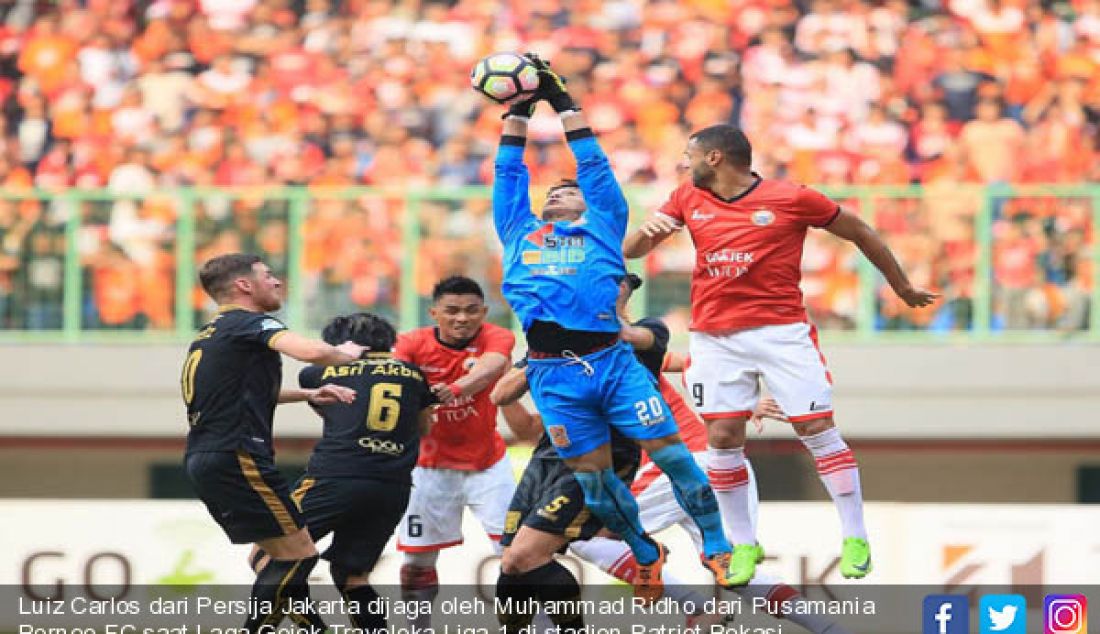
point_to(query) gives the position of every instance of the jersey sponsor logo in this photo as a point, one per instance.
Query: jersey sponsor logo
(272, 324)
(535, 237)
(698, 215)
(456, 411)
(554, 270)
(727, 263)
(762, 217)
(387, 447)
(554, 250)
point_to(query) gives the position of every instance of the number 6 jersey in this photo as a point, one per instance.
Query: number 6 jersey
(377, 434)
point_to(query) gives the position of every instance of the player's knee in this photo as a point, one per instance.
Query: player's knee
(726, 433)
(518, 560)
(297, 545)
(814, 427)
(425, 559)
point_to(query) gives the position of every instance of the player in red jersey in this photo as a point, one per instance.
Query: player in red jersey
(748, 322)
(462, 461)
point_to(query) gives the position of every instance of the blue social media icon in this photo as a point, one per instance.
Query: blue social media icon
(1003, 614)
(945, 614)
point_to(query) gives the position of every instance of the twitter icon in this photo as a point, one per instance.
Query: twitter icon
(1003, 614)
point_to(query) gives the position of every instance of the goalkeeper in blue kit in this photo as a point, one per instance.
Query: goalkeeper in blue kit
(561, 277)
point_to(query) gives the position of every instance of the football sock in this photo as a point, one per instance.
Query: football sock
(840, 474)
(610, 500)
(558, 586)
(783, 602)
(280, 580)
(419, 583)
(693, 492)
(513, 591)
(360, 602)
(614, 557)
(729, 477)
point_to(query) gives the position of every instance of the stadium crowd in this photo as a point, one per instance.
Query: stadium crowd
(134, 96)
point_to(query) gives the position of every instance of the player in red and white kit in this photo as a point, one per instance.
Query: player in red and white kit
(462, 461)
(748, 322)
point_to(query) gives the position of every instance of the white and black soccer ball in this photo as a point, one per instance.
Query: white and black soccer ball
(506, 78)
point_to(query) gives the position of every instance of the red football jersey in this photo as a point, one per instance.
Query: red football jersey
(464, 436)
(748, 252)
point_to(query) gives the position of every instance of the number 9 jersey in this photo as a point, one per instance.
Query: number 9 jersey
(376, 435)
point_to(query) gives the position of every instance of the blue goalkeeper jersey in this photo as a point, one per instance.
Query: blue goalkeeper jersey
(562, 272)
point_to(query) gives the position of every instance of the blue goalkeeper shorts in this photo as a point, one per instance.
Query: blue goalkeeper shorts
(579, 398)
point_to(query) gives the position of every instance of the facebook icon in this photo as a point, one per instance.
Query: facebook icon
(946, 614)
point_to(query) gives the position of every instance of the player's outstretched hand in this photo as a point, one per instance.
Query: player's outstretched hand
(917, 297)
(329, 394)
(551, 86)
(659, 226)
(766, 408)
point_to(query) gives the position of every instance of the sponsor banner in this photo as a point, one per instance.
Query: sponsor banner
(71, 543)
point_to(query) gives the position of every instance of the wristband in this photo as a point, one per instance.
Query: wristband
(454, 389)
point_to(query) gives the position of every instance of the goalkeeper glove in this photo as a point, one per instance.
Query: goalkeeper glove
(524, 108)
(552, 87)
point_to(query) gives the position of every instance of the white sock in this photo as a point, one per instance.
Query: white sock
(730, 478)
(840, 474)
(609, 555)
(776, 592)
(420, 582)
(614, 557)
(543, 624)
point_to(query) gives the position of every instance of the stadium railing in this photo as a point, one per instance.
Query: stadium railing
(96, 265)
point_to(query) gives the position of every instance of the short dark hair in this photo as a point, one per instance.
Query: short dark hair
(632, 280)
(565, 183)
(217, 274)
(728, 140)
(365, 329)
(456, 285)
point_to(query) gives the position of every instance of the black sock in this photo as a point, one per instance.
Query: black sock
(557, 585)
(279, 581)
(514, 591)
(363, 597)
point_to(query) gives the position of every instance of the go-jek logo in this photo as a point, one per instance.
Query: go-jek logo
(1003, 614)
(945, 614)
(1065, 614)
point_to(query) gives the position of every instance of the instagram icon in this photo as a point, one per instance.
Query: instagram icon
(1065, 614)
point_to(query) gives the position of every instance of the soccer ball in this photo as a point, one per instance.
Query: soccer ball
(506, 78)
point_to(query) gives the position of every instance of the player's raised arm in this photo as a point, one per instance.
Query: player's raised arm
(597, 182)
(323, 395)
(646, 237)
(852, 228)
(511, 180)
(314, 351)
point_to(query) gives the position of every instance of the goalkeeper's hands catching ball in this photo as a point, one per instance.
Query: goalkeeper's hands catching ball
(551, 89)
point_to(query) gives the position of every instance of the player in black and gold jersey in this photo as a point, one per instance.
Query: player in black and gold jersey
(358, 480)
(231, 382)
